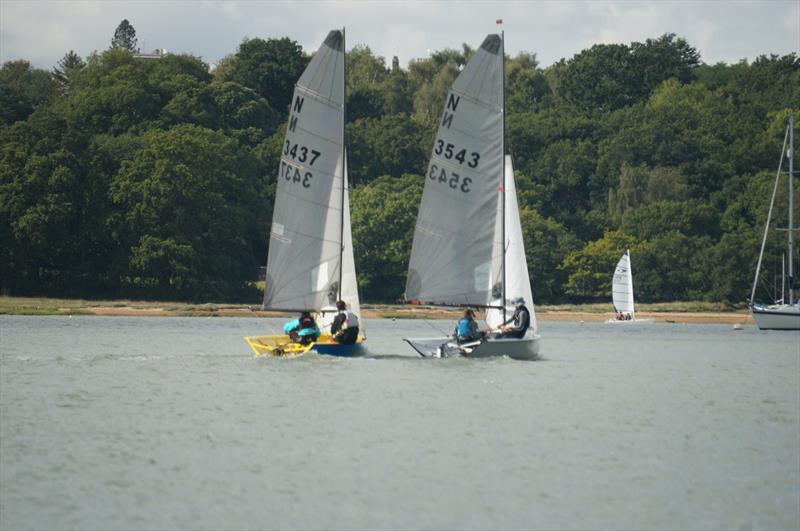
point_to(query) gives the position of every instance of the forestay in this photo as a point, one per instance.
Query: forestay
(622, 285)
(457, 252)
(306, 234)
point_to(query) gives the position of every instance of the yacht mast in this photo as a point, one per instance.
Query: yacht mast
(344, 170)
(503, 174)
(791, 207)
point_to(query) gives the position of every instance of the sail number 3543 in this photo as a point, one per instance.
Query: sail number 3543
(449, 152)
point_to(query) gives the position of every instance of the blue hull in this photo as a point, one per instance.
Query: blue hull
(343, 351)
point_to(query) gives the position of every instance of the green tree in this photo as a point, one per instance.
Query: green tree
(546, 244)
(390, 145)
(590, 269)
(22, 90)
(67, 67)
(270, 67)
(125, 37)
(384, 213)
(189, 198)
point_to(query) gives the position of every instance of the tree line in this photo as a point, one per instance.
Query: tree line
(126, 176)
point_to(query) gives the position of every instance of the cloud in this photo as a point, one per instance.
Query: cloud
(44, 31)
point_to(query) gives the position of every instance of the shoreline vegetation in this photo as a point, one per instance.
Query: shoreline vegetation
(673, 312)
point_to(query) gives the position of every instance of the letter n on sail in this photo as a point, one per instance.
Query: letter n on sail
(452, 104)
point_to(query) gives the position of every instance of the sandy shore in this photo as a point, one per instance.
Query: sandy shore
(40, 306)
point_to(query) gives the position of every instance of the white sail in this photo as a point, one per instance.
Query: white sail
(518, 284)
(306, 234)
(622, 286)
(349, 291)
(456, 254)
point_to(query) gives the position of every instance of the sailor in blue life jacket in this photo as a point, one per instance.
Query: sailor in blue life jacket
(467, 328)
(303, 330)
(518, 324)
(344, 327)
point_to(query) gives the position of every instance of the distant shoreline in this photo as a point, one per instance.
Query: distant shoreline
(687, 313)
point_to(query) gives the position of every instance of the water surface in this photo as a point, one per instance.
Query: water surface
(166, 423)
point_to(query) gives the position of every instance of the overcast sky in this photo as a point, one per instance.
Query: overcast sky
(722, 30)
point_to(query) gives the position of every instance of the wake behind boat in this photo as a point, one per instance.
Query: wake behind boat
(310, 264)
(468, 249)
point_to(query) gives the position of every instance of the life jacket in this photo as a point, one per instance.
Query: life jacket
(464, 328)
(304, 327)
(308, 328)
(291, 325)
(309, 331)
(351, 321)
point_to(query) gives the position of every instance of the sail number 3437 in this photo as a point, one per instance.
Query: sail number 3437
(300, 154)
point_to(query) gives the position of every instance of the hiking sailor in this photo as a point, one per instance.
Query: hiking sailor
(303, 330)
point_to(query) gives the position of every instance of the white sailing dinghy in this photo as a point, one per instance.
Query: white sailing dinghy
(468, 248)
(622, 293)
(310, 263)
(782, 314)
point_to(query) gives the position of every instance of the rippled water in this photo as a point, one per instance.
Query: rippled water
(164, 423)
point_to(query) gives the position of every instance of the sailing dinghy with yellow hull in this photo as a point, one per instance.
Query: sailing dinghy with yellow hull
(310, 263)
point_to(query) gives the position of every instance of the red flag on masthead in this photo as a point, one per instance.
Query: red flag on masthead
(498, 21)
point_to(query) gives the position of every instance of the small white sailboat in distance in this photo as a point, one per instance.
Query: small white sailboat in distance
(622, 293)
(783, 314)
(467, 248)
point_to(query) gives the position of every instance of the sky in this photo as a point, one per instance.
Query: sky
(722, 30)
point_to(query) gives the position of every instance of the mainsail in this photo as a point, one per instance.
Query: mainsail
(308, 224)
(622, 286)
(456, 257)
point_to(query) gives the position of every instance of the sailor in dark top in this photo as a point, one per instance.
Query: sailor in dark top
(344, 327)
(520, 322)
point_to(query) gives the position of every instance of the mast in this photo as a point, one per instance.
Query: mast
(791, 207)
(344, 170)
(503, 168)
(769, 216)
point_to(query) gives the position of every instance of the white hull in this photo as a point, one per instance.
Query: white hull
(526, 348)
(777, 317)
(631, 322)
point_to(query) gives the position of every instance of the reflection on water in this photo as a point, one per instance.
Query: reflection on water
(162, 423)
